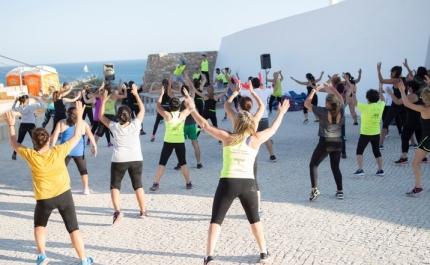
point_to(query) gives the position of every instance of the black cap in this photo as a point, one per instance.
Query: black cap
(65, 84)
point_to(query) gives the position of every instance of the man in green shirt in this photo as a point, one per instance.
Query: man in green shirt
(177, 74)
(205, 69)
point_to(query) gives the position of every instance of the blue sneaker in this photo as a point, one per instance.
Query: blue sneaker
(359, 172)
(42, 259)
(88, 261)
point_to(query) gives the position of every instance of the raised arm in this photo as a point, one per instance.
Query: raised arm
(65, 93)
(308, 102)
(195, 91)
(119, 84)
(396, 100)
(91, 138)
(135, 93)
(227, 105)
(282, 77)
(406, 102)
(222, 94)
(56, 133)
(393, 81)
(124, 94)
(265, 135)
(381, 93)
(319, 79)
(10, 120)
(102, 117)
(410, 75)
(78, 95)
(332, 90)
(359, 76)
(78, 133)
(298, 82)
(152, 90)
(160, 109)
(260, 110)
(267, 79)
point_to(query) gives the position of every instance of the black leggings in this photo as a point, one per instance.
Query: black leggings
(209, 115)
(393, 111)
(272, 99)
(409, 129)
(106, 132)
(24, 128)
(167, 151)
(199, 106)
(48, 114)
(57, 119)
(397, 118)
(314, 102)
(117, 172)
(66, 207)
(102, 128)
(134, 111)
(88, 111)
(364, 140)
(343, 140)
(327, 146)
(207, 77)
(80, 162)
(229, 189)
(158, 119)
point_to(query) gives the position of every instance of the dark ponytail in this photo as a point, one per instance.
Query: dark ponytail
(22, 99)
(71, 116)
(310, 77)
(245, 103)
(124, 115)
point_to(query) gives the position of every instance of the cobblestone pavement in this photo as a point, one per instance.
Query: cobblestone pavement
(375, 224)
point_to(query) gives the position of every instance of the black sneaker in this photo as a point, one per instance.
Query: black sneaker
(142, 132)
(314, 195)
(264, 257)
(355, 123)
(199, 166)
(13, 156)
(209, 261)
(339, 195)
(189, 186)
(117, 216)
(380, 172)
(154, 187)
(359, 172)
(177, 167)
(344, 156)
(425, 160)
(401, 161)
(273, 158)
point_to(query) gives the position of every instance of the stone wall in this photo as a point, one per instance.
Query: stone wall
(160, 66)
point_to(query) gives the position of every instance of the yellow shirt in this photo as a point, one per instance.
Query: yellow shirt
(220, 77)
(179, 69)
(196, 76)
(48, 170)
(205, 66)
(371, 115)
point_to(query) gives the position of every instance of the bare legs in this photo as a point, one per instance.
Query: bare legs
(416, 163)
(269, 147)
(196, 150)
(160, 171)
(85, 181)
(353, 113)
(140, 196)
(75, 237)
(360, 162)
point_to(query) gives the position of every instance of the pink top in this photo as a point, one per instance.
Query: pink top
(97, 109)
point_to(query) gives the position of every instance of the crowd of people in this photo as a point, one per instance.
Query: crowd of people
(404, 99)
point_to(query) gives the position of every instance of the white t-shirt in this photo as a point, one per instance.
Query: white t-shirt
(388, 99)
(127, 141)
(263, 94)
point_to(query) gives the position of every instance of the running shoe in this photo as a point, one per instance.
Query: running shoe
(154, 187)
(359, 172)
(142, 132)
(339, 195)
(152, 138)
(225, 118)
(88, 142)
(316, 120)
(273, 158)
(199, 166)
(88, 192)
(42, 259)
(161, 122)
(110, 144)
(344, 156)
(13, 156)
(189, 186)
(314, 195)
(87, 261)
(209, 261)
(117, 216)
(305, 121)
(380, 173)
(381, 147)
(414, 192)
(142, 215)
(424, 161)
(388, 135)
(401, 161)
(177, 167)
(264, 257)
(355, 123)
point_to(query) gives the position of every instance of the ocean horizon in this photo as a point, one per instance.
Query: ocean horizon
(127, 70)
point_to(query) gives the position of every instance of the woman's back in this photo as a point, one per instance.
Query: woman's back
(68, 133)
(329, 128)
(127, 141)
(238, 160)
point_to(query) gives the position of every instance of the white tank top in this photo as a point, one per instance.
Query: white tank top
(238, 161)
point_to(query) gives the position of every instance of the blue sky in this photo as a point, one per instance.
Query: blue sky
(49, 31)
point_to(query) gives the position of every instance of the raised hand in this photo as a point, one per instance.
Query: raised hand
(134, 89)
(238, 86)
(251, 88)
(402, 87)
(79, 108)
(405, 63)
(162, 91)
(427, 80)
(9, 118)
(283, 106)
(186, 93)
(378, 66)
(190, 104)
(359, 71)
(105, 96)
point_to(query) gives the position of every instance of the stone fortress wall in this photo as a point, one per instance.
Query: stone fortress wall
(160, 66)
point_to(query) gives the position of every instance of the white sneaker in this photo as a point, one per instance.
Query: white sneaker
(88, 192)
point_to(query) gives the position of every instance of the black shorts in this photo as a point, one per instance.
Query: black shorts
(263, 124)
(425, 144)
(80, 162)
(101, 129)
(66, 207)
(117, 173)
(167, 151)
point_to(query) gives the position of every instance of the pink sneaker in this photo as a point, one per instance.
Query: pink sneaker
(109, 144)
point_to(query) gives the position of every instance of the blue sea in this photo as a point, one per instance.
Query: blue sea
(131, 70)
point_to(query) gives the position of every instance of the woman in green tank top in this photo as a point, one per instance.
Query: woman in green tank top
(237, 178)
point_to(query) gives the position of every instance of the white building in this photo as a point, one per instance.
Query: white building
(344, 37)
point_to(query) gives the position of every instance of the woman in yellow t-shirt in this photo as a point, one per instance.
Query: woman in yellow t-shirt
(237, 178)
(51, 183)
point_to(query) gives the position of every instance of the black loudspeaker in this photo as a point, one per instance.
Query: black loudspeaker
(265, 61)
(108, 72)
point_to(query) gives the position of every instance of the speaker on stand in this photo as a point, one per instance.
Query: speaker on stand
(265, 63)
(108, 72)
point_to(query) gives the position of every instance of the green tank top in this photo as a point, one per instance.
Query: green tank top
(179, 69)
(238, 161)
(205, 66)
(174, 129)
(110, 106)
(278, 93)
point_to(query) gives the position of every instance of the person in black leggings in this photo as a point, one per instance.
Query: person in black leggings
(412, 124)
(88, 101)
(60, 108)
(388, 102)
(169, 93)
(330, 142)
(132, 103)
(395, 109)
(237, 180)
(309, 86)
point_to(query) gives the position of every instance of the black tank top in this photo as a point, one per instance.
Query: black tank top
(60, 109)
(197, 98)
(412, 115)
(210, 105)
(87, 98)
(165, 100)
(425, 123)
(397, 91)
